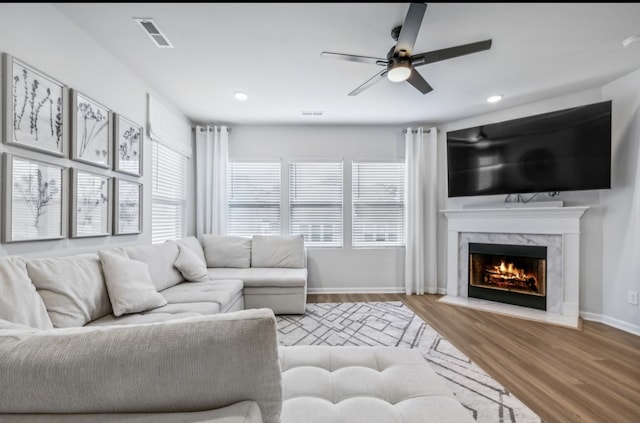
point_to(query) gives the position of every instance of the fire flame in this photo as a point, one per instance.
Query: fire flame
(509, 271)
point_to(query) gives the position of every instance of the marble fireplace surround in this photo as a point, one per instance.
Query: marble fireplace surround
(557, 228)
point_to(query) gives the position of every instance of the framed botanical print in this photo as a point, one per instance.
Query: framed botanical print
(129, 138)
(35, 108)
(90, 204)
(35, 198)
(91, 131)
(128, 207)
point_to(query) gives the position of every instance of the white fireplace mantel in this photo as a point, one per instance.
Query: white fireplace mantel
(564, 221)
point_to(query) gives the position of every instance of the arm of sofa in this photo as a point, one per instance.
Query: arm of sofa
(190, 364)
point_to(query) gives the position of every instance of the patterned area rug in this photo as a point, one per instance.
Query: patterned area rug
(394, 324)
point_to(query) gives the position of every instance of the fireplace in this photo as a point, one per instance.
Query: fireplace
(512, 274)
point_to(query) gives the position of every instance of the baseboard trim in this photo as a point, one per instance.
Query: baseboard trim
(376, 290)
(610, 321)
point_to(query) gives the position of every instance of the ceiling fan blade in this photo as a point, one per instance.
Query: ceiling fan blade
(410, 27)
(353, 58)
(377, 77)
(449, 53)
(418, 82)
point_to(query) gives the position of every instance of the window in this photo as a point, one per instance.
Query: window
(315, 202)
(378, 204)
(168, 200)
(254, 198)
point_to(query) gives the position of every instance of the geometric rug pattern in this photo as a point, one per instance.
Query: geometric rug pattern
(394, 324)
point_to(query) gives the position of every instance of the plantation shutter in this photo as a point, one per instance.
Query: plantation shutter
(253, 190)
(378, 204)
(169, 181)
(315, 202)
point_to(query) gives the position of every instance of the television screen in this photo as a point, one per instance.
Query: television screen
(565, 150)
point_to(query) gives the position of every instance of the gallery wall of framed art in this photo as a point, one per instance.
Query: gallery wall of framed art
(72, 166)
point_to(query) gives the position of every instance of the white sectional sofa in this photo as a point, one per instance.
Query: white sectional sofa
(144, 334)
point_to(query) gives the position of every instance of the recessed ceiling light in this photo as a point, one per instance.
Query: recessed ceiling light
(630, 40)
(494, 98)
(239, 95)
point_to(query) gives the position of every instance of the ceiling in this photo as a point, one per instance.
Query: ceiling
(271, 51)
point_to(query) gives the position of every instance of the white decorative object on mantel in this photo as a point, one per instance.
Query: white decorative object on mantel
(549, 221)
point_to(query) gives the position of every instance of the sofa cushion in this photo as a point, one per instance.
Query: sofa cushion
(129, 283)
(192, 267)
(160, 259)
(19, 301)
(223, 293)
(277, 251)
(227, 251)
(72, 288)
(262, 276)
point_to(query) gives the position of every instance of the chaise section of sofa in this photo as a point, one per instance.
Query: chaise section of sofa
(273, 269)
(210, 368)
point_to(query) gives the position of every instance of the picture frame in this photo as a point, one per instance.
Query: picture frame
(127, 207)
(35, 198)
(35, 108)
(128, 145)
(90, 204)
(91, 131)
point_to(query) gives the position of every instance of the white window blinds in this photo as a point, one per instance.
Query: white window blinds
(253, 190)
(378, 204)
(315, 202)
(168, 203)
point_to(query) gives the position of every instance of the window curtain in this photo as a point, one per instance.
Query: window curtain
(212, 157)
(420, 271)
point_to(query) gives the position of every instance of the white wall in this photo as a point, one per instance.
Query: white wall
(333, 269)
(38, 34)
(621, 234)
(610, 225)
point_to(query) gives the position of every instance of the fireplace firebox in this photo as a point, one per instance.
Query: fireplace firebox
(512, 274)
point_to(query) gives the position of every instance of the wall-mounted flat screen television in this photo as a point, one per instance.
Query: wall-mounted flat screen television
(564, 150)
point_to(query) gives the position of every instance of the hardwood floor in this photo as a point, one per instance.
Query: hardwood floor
(564, 375)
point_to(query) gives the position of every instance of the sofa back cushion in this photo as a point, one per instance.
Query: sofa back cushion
(19, 301)
(72, 288)
(278, 251)
(227, 250)
(160, 259)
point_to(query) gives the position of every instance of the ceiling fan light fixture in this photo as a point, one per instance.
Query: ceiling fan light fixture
(401, 71)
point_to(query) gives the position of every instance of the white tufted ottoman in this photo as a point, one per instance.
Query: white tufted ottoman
(325, 384)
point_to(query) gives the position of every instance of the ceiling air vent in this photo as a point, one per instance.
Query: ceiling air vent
(312, 113)
(152, 30)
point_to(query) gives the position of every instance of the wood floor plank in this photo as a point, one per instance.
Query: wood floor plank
(591, 375)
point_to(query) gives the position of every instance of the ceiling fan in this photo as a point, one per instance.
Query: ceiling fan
(400, 63)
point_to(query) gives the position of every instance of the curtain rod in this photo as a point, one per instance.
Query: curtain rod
(413, 131)
(209, 129)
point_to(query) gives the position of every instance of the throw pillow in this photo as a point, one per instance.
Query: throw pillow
(192, 267)
(19, 300)
(129, 283)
